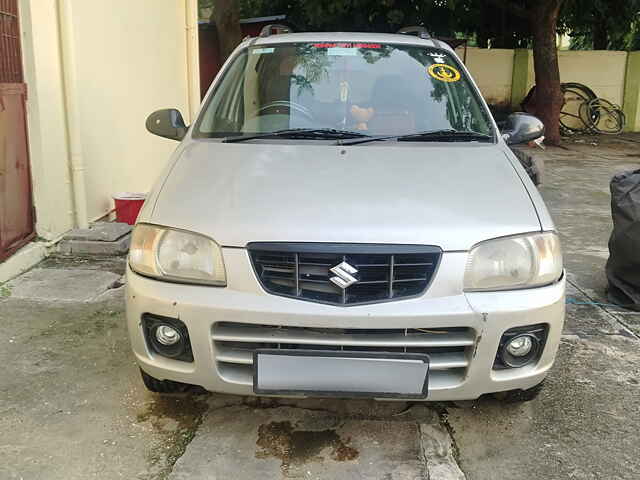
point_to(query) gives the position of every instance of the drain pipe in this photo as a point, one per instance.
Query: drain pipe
(76, 159)
(193, 58)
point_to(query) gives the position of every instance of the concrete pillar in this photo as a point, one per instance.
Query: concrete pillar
(48, 143)
(522, 71)
(631, 104)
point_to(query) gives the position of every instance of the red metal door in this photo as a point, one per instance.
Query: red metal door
(16, 209)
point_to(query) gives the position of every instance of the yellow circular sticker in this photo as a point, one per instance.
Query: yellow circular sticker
(443, 72)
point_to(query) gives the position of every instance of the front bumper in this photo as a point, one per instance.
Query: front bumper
(483, 316)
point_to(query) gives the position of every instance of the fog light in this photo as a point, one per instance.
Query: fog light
(167, 335)
(519, 351)
(520, 345)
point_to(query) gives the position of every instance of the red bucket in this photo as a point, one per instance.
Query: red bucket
(128, 206)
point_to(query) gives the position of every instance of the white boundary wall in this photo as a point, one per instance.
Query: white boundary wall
(492, 69)
(601, 70)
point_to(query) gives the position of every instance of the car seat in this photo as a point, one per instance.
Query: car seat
(394, 102)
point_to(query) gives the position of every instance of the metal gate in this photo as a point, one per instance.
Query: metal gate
(16, 209)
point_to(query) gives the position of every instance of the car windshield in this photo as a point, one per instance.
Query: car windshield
(370, 88)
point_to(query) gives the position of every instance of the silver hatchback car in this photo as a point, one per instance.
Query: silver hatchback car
(344, 218)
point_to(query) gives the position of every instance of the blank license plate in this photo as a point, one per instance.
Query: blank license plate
(344, 374)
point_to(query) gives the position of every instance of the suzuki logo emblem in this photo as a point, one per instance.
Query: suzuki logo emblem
(344, 275)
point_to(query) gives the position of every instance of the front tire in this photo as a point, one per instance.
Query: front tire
(519, 396)
(162, 386)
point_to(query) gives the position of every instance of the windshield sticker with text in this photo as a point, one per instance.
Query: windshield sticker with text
(342, 52)
(259, 51)
(347, 45)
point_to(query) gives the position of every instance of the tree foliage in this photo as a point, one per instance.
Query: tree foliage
(602, 24)
(356, 15)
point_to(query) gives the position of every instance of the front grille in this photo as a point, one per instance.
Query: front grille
(384, 272)
(449, 349)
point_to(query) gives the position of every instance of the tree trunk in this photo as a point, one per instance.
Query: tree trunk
(226, 17)
(599, 31)
(549, 98)
(482, 41)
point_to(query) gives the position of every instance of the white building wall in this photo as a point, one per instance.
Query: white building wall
(131, 58)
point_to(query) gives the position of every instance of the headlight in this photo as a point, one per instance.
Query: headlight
(508, 263)
(176, 255)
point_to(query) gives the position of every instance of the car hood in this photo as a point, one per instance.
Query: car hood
(450, 195)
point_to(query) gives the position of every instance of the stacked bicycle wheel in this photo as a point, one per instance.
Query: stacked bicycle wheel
(583, 112)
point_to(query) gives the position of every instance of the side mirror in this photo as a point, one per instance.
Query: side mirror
(167, 123)
(522, 128)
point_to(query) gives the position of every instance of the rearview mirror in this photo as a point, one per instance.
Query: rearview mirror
(167, 123)
(522, 128)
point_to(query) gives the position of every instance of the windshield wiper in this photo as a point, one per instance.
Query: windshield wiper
(447, 134)
(312, 133)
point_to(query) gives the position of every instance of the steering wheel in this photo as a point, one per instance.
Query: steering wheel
(285, 104)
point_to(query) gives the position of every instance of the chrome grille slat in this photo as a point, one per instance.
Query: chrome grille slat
(438, 379)
(385, 272)
(437, 361)
(303, 336)
(234, 355)
(271, 268)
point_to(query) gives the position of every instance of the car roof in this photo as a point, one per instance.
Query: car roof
(398, 39)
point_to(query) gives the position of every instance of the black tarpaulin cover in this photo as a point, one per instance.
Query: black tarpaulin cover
(623, 266)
